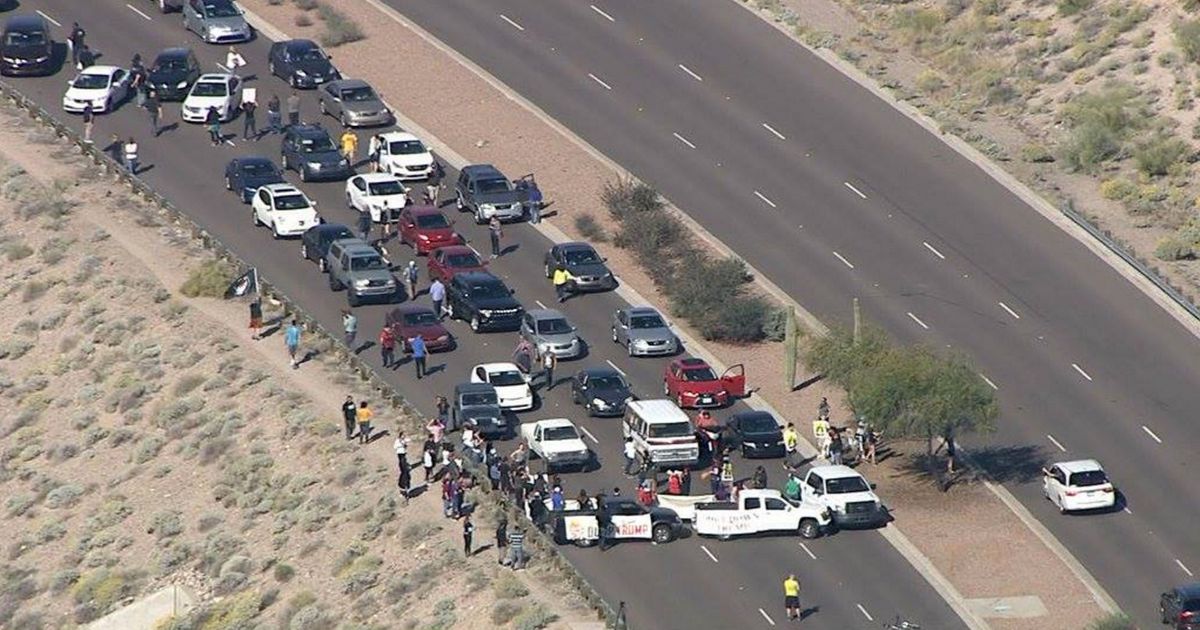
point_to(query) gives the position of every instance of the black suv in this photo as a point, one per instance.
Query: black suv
(26, 47)
(301, 63)
(1180, 607)
(477, 403)
(245, 175)
(484, 300)
(173, 72)
(308, 150)
(756, 433)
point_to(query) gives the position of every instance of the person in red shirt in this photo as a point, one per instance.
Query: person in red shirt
(387, 346)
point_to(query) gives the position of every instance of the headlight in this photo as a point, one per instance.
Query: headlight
(687, 393)
(301, 73)
(599, 403)
(779, 443)
(444, 338)
(362, 284)
(423, 237)
(641, 342)
(344, 162)
(487, 207)
(389, 282)
(181, 85)
(316, 166)
(486, 312)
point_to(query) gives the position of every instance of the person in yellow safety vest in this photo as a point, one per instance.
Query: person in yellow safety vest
(561, 277)
(791, 441)
(349, 145)
(821, 432)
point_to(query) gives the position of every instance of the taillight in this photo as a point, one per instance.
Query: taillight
(1109, 489)
(1187, 614)
(1072, 493)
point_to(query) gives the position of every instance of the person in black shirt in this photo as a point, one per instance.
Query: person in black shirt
(350, 416)
(75, 39)
(249, 124)
(468, 531)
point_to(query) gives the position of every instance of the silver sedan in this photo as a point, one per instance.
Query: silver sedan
(354, 103)
(643, 332)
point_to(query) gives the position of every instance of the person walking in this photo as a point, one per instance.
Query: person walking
(293, 109)
(363, 418)
(89, 120)
(349, 144)
(836, 447)
(154, 107)
(364, 225)
(496, 232)
(350, 416)
(561, 278)
(791, 597)
(443, 410)
(820, 428)
(411, 276)
(234, 61)
(630, 453)
(404, 481)
(137, 79)
(516, 548)
(75, 43)
(274, 115)
(256, 319)
(87, 58)
(387, 346)
(249, 123)
(374, 146)
(468, 531)
(501, 538)
(417, 346)
(291, 339)
(549, 362)
(213, 120)
(349, 327)
(433, 185)
(130, 152)
(437, 293)
(872, 444)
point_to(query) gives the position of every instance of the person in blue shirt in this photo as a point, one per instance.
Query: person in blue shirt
(291, 339)
(417, 345)
(535, 202)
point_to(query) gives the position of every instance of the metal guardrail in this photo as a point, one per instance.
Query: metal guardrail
(538, 541)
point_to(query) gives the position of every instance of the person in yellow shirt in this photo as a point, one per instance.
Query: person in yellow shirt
(561, 277)
(791, 442)
(791, 597)
(821, 432)
(363, 418)
(349, 145)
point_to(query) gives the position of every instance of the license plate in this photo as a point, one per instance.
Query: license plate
(706, 399)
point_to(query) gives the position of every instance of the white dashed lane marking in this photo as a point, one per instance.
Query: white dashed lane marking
(1182, 566)
(764, 199)
(684, 140)
(856, 191)
(988, 381)
(918, 320)
(52, 20)
(1081, 372)
(589, 434)
(933, 249)
(511, 22)
(601, 12)
(807, 551)
(1152, 434)
(690, 73)
(843, 259)
(709, 553)
(614, 366)
(597, 80)
(1009, 310)
(1056, 443)
(139, 12)
(865, 613)
(539, 303)
(766, 616)
(772, 130)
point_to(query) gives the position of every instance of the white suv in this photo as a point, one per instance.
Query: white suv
(223, 91)
(284, 209)
(1078, 485)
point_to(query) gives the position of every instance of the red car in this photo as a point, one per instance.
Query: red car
(692, 382)
(410, 320)
(426, 229)
(444, 262)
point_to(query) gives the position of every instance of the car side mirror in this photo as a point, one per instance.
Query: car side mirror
(872, 485)
(603, 260)
(512, 291)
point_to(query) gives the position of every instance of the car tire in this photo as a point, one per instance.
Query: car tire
(479, 218)
(679, 401)
(293, 81)
(458, 202)
(661, 534)
(450, 312)
(809, 529)
(275, 232)
(349, 203)
(474, 323)
(254, 217)
(546, 266)
(345, 121)
(1062, 508)
(352, 299)
(322, 265)
(303, 174)
(228, 184)
(271, 68)
(614, 335)
(334, 284)
(321, 106)
(666, 390)
(108, 105)
(629, 350)
(303, 251)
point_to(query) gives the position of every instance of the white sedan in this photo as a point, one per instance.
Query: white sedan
(102, 86)
(372, 192)
(223, 91)
(284, 209)
(405, 156)
(1078, 485)
(512, 385)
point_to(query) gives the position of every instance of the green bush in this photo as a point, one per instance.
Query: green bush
(339, 29)
(307, 5)
(918, 25)
(590, 228)
(1072, 7)
(508, 586)
(15, 250)
(651, 235)
(210, 279)
(1156, 156)
(1187, 38)
(504, 612)
(535, 618)
(1170, 248)
(626, 196)
(739, 319)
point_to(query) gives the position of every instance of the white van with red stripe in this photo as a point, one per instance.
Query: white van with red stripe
(662, 433)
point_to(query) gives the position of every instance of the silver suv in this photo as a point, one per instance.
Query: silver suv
(550, 331)
(362, 271)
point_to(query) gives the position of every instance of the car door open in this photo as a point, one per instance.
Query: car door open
(734, 380)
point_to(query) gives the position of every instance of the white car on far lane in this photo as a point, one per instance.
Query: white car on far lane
(1078, 485)
(405, 156)
(371, 192)
(512, 385)
(223, 91)
(104, 87)
(284, 209)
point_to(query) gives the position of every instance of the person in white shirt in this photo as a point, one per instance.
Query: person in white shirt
(400, 445)
(234, 60)
(130, 152)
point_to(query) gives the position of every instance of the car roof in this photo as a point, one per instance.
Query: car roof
(330, 227)
(25, 22)
(398, 136)
(374, 178)
(466, 388)
(103, 70)
(556, 422)
(595, 372)
(1080, 465)
(173, 52)
(254, 159)
(355, 246)
(545, 313)
(477, 277)
(309, 130)
(281, 189)
(642, 310)
(576, 245)
(835, 471)
(216, 77)
(746, 415)
(497, 367)
(348, 83)
(1189, 591)
(299, 44)
(408, 309)
(658, 411)
(691, 363)
(481, 170)
(458, 249)
(422, 210)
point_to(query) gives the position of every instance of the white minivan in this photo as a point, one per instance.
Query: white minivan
(662, 433)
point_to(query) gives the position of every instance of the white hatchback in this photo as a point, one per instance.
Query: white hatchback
(405, 156)
(284, 209)
(104, 87)
(372, 192)
(222, 91)
(512, 385)
(1078, 485)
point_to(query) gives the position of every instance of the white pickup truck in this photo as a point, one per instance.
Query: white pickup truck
(557, 441)
(756, 511)
(847, 495)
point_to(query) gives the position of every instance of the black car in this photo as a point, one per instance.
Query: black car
(585, 268)
(244, 175)
(483, 300)
(26, 47)
(1180, 607)
(308, 150)
(756, 433)
(173, 72)
(301, 63)
(602, 391)
(315, 241)
(618, 519)
(478, 403)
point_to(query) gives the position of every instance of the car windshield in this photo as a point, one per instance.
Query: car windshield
(406, 147)
(607, 382)
(316, 145)
(698, 375)
(478, 400)
(846, 485)
(462, 260)
(581, 256)
(558, 326)
(671, 430)
(759, 424)
(18, 39)
(91, 81)
(311, 54)
(209, 88)
(420, 318)
(489, 290)
(169, 64)
(336, 235)
(358, 94)
(506, 377)
(493, 185)
(291, 202)
(370, 261)
(220, 9)
(560, 433)
(432, 221)
(645, 322)
(258, 169)
(1089, 478)
(385, 188)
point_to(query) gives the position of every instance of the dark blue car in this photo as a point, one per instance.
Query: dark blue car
(245, 175)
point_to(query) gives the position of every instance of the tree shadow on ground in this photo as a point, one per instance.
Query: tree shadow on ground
(999, 464)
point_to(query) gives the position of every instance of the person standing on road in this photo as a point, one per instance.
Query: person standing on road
(89, 120)
(87, 58)
(374, 145)
(234, 61)
(293, 109)
(256, 319)
(137, 79)
(561, 277)
(349, 416)
(433, 185)
(249, 124)
(630, 453)
(363, 418)
(791, 443)
(417, 345)
(791, 597)
(535, 202)
(274, 115)
(349, 327)
(154, 108)
(437, 293)
(349, 143)
(443, 410)
(468, 531)
(75, 43)
(549, 362)
(836, 447)
(387, 346)
(411, 276)
(496, 232)
(213, 120)
(130, 151)
(291, 339)
(364, 225)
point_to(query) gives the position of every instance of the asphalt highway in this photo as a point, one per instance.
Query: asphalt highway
(852, 579)
(831, 194)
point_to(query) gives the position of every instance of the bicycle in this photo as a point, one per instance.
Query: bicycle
(900, 624)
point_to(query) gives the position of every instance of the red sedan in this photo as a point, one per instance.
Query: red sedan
(692, 382)
(444, 262)
(426, 229)
(410, 320)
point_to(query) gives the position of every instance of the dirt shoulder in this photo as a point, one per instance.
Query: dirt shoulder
(483, 124)
(147, 440)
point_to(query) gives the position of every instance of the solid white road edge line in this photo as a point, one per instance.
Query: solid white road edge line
(52, 20)
(1056, 443)
(766, 616)
(933, 249)
(918, 320)
(139, 12)
(601, 12)
(589, 434)
(807, 551)
(1151, 434)
(597, 80)
(510, 21)
(1010, 311)
(843, 259)
(865, 613)
(764, 199)
(1081, 372)
(683, 140)
(709, 553)
(614, 366)
(772, 130)
(856, 191)
(689, 71)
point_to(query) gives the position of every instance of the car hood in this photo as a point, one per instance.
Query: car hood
(207, 101)
(501, 303)
(573, 445)
(27, 52)
(508, 392)
(169, 78)
(484, 415)
(375, 274)
(556, 339)
(764, 436)
(360, 107)
(411, 159)
(610, 396)
(437, 234)
(232, 23)
(851, 497)
(82, 94)
(255, 181)
(322, 157)
(427, 331)
(651, 334)
(507, 196)
(702, 387)
(587, 269)
(293, 217)
(314, 68)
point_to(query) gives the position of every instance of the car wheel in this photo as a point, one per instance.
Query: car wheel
(458, 202)
(228, 184)
(334, 285)
(666, 390)
(662, 533)
(254, 216)
(450, 312)
(479, 218)
(271, 67)
(345, 121)
(323, 266)
(629, 349)
(349, 203)
(303, 251)
(1062, 507)
(108, 104)
(352, 299)
(614, 335)
(475, 323)
(546, 266)
(679, 401)
(275, 232)
(303, 174)
(321, 106)
(294, 81)
(809, 529)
